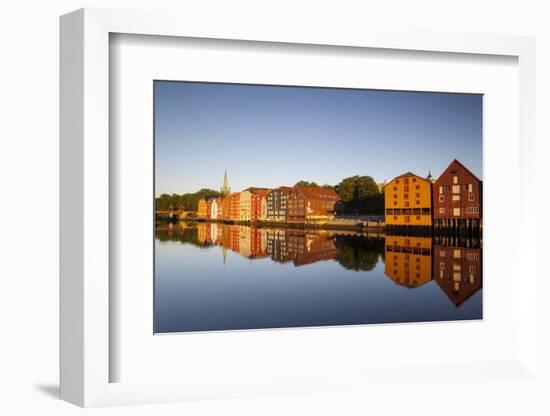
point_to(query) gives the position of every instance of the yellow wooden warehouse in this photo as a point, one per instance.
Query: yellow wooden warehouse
(408, 201)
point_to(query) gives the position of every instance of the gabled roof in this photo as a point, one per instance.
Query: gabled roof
(312, 192)
(462, 166)
(285, 189)
(409, 174)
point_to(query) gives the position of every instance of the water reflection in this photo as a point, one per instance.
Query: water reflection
(323, 265)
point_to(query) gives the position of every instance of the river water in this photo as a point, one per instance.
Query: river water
(224, 277)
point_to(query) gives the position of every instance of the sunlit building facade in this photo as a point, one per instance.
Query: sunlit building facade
(408, 201)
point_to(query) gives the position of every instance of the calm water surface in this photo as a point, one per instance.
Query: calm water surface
(221, 277)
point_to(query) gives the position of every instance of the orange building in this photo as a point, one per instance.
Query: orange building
(259, 204)
(408, 260)
(234, 206)
(408, 201)
(202, 211)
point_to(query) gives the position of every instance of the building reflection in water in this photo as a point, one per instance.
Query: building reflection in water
(457, 267)
(454, 263)
(409, 260)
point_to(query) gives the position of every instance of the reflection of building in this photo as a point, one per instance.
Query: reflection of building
(311, 204)
(408, 201)
(277, 203)
(258, 242)
(245, 240)
(457, 197)
(276, 245)
(304, 248)
(234, 238)
(458, 271)
(409, 260)
(245, 206)
(259, 204)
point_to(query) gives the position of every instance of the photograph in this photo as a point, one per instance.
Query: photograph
(280, 206)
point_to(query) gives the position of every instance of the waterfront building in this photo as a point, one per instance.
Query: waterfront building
(202, 207)
(408, 201)
(226, 208)
(408, 260)
(457, 198)
(311, 204)
(457, 271)
(258, 204)
(245, 207)
(216, 209)
(276, 202)
(234, 206)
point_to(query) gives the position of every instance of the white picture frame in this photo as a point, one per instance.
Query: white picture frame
(85, 200)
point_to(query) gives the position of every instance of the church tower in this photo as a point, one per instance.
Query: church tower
(225, 189)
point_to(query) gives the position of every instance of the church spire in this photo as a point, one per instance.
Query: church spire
(225, 189)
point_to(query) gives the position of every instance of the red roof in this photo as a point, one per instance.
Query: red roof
(285, 189)
(311, 192)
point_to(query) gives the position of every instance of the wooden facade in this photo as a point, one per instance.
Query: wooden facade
(234, 206)
(311, 204)
(457, 198)
(408, 201)
(258, 208)
(216, 209)
(277, 207)
(245, 212)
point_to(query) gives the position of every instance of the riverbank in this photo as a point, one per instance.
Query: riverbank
(346, 225)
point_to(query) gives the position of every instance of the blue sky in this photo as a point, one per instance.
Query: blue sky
(268, 136)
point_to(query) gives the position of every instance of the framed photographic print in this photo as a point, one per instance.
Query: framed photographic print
(266, 212)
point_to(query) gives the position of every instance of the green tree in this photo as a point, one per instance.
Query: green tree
(356, 187)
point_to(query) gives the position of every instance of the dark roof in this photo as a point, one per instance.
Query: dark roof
(312, 192)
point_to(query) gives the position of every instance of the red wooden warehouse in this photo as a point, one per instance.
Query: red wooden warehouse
(457, 198)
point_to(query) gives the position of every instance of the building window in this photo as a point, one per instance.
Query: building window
(442, 210)
(418, 217)
(417, 202)
(456, 254)
(441, 198)
(406, 188)
(455, 179)
(456, 212)
(456, 197)
(472, 268)
(470, 188)
(456, 189)
(389, 211)
(470, 197)
(406, 196)
(394, 196)
(394, 202)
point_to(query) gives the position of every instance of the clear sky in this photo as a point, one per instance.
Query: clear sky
(268, 136)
